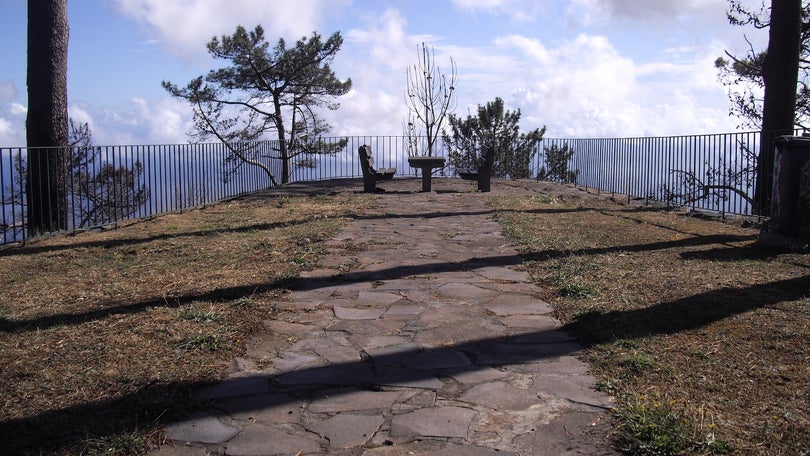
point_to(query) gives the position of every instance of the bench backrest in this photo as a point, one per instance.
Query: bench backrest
(486, 159)
(366, 161)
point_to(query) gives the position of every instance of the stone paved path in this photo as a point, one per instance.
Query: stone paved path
(427, 341)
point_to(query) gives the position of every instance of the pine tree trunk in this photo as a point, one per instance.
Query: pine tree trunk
(780, 74)
(47, 120)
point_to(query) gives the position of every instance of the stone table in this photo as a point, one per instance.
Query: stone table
(426, 164)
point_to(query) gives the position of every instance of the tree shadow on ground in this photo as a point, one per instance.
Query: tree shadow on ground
(122, 242)
(160, 403)
(231, 293)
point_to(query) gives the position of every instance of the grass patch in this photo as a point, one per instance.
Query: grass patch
(659, 428)
(209, 342)
(199, 315)
(687, 308)
(119, 444)
(575, 290)
(104, 334)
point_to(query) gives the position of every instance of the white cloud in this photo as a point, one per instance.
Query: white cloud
(516, 10)
(5, 130)
(579, 87)
(12, 125)
(17, 110)
(80, 115)
(12, 130)
(582, 86)
(183, 27)
(657, 12)
(586, 87)
(382, 41)
(164, 121)
(376, 55)
(8, 90)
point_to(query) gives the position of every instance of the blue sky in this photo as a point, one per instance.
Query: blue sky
(582, 68)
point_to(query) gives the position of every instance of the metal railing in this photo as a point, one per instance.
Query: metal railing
(109, 184)
(714, 173)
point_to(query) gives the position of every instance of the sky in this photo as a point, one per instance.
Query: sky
(581, 68)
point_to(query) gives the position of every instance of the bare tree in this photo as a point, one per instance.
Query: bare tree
(429, 95)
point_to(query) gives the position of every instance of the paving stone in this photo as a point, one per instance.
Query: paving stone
(564, 365)
(435, 448)
(177, 449)
(475, 374)
(338, 353)
(538, 322)
(406, 310)
(512, 304)
(390, 355)
(320, 318)
(348, 313)
(389, 327)
(261, 440)
(439, 358)
(201, 427)
(241, 365)
(500, 396)
(575, 388)
(350, 399)
(417, 296)
(288, 328)
(347, 430)
(233, 387)
(433, 422)
(384, 341)
(501, 428)
(290, 361)
(414, 399)
(377, 299)
(542, 337)
(506, 353)
(263, 408)
(459, 333)
(527, 289)
(341, 374)
(463, 291)
(570, 434)
(500, 273)
(462, 276)
(408, 378)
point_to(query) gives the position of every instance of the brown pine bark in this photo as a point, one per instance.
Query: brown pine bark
(780, 75)
(47, 120)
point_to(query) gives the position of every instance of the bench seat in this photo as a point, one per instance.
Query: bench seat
(483, 173)
(370, 174)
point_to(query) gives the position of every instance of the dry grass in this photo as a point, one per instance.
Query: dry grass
(683, 316)
(102, 334)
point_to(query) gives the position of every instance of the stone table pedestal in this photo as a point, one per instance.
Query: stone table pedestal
(427, 165)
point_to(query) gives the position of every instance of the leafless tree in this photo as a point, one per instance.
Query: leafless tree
(429, 95)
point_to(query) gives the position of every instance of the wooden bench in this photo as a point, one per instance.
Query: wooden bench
(371, 175)
(483, 172)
